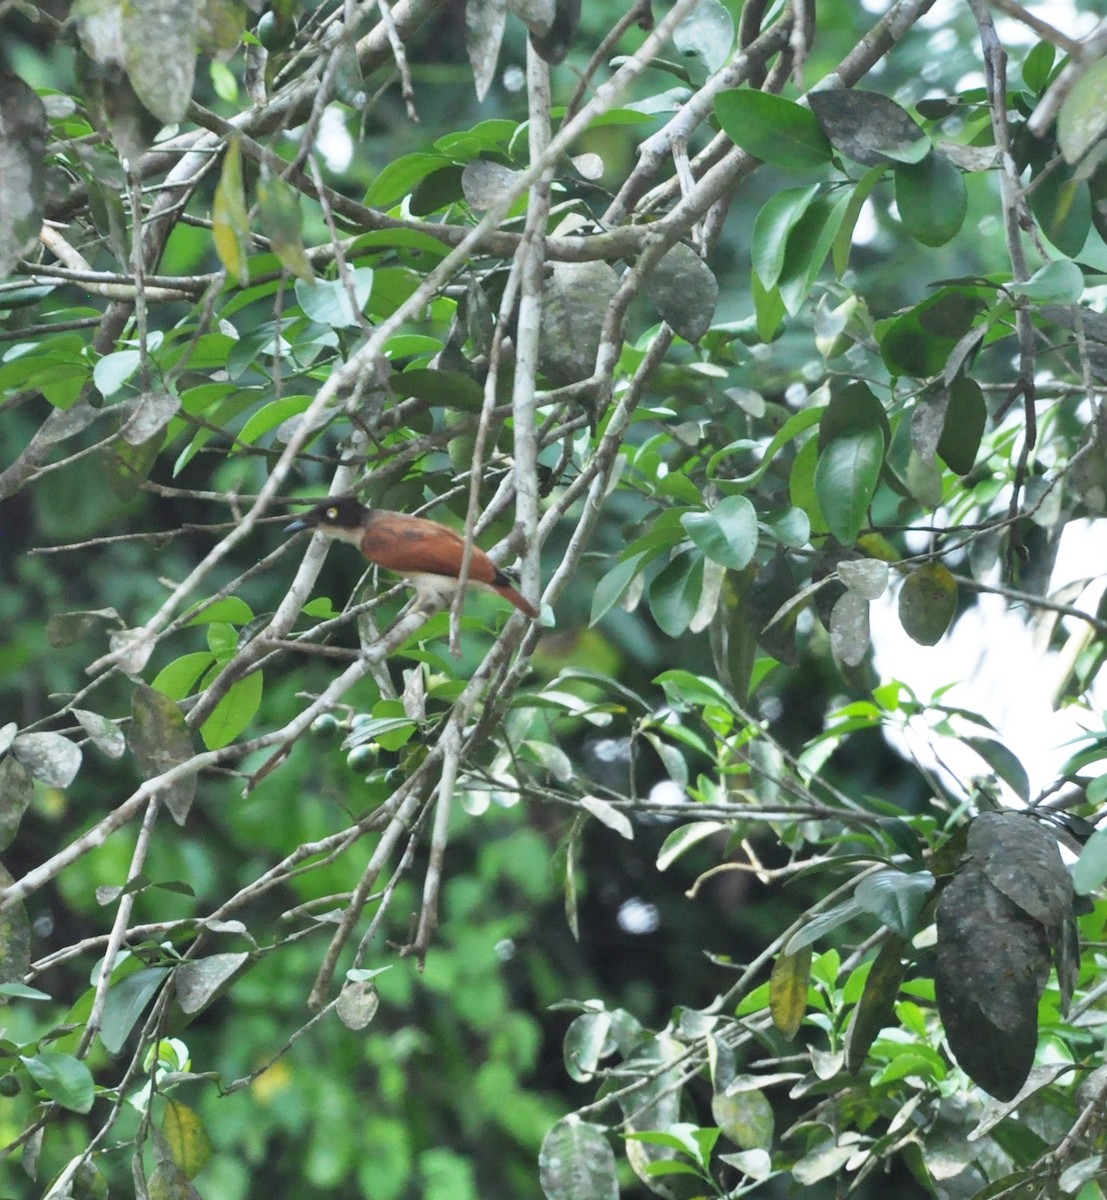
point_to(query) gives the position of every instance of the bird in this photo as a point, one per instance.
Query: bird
(426, 553)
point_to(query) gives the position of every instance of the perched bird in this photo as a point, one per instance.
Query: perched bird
(426, 553)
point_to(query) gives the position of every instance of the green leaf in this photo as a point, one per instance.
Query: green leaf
(178, 678)
(229, 609)
(896, 898)
(1090, 869)
(876, 1008)
(675, 593)
(612, 587)
(1058, 282)
(1082, 120)
(771, 128)
(808, 246)
(127, 1001)
(113, 370)
(796, 424)
(401, 176)
(776, 219)
(1003, 762)
(576, 1162)
(1038, 65)
(233, 713)
(706, 33)
(282, 222)
(127, 466)
(443, 389)
(845, 480)
(927, 603)
(963, 427)
(1062, 205)
(327, 301)
(769, 309)
(727, 533)
(931, 199)
(65, 1079)
(683, 839)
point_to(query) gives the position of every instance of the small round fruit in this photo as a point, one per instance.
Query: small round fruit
(325, 725)
(361, 758)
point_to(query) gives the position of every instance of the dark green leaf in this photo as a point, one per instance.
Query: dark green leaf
(127, 1001)
(927, 602)
(159, 739)
(896, 898)
(931, 199)
(771, 227)
(675, 593)
(963, 427)
(876, 1007)
(1003, 762)
(684, 290)
(919, 341)
(851, 409)
(845, 480)
(1062, 206)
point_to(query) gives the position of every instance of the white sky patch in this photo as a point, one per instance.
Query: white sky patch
(992, 655)
(333, 141)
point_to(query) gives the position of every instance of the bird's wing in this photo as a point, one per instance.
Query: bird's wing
(405, 544)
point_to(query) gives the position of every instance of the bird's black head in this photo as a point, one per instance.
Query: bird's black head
(338, 516)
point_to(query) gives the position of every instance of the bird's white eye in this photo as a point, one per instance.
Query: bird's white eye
(332, 514)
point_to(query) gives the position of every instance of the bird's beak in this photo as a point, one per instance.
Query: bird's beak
(297, 525)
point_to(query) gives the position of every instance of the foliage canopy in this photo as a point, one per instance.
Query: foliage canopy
(735, 329)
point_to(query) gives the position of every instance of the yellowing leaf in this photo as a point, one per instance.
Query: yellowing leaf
(788, 990)
(230, 225)
(186, 1137)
